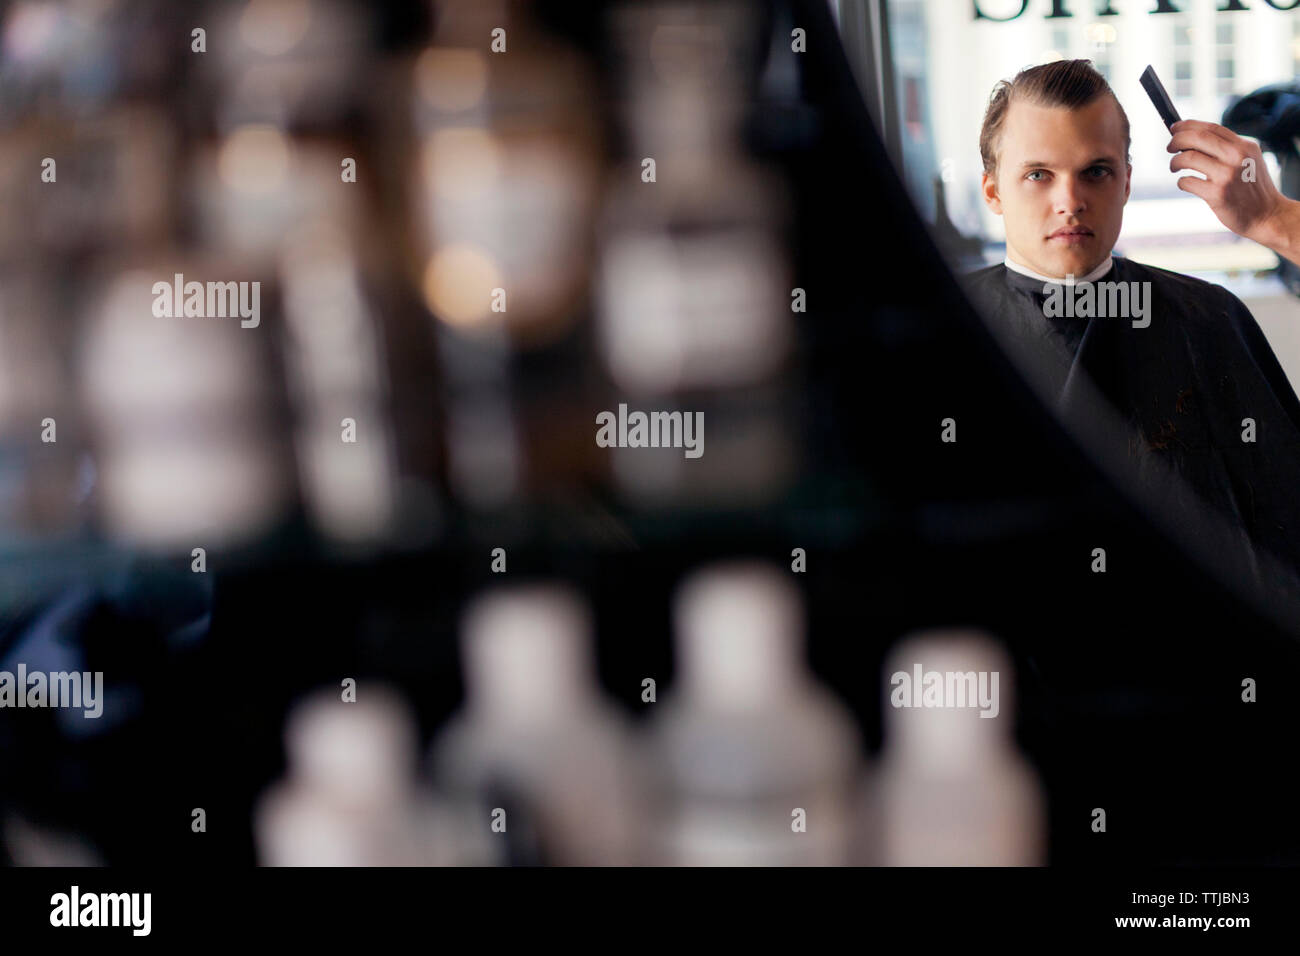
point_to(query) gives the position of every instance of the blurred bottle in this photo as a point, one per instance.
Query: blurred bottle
(506, 162)
(285, 178)
(535, 739)
(183, 415)
(953, 789)
(694, 295)
(262, 193)
(749, 749)
(508, 157)
(350, 797)
(336, 371)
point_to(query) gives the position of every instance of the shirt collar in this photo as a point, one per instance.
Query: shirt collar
(1092, 276)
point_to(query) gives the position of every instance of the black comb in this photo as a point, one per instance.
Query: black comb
(1156, 90)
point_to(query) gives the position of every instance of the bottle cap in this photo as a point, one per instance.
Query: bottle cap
(527, 652)
(947, 698)
(360, 751)
(739, 635)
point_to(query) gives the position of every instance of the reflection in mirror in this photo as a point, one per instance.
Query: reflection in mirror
(1164, 342)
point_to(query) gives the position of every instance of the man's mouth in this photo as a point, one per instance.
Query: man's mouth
(1071, 235)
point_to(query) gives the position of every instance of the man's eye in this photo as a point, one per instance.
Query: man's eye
(1101, 170)
(1032, 173)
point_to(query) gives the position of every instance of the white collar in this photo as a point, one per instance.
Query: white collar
(1092, 276)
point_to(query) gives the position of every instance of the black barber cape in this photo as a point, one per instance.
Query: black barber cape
(1178, 390)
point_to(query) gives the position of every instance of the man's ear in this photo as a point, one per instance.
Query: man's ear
(989, 190)
(1128, 181)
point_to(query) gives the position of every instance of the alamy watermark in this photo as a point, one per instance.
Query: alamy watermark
(946, 689)
(626, 429)
(1085, 300)
(53, 689)
(213, 300)
(75, 908)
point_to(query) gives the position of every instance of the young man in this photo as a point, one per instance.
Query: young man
(1181, 361)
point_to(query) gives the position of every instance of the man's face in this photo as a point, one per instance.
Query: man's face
(1061, 185)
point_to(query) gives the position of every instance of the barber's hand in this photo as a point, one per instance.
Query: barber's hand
(1249, 208)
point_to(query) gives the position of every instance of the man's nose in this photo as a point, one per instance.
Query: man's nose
(1068, 197)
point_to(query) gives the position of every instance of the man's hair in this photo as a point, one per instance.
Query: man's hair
(1066, 83)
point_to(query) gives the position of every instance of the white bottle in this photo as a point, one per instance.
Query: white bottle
(755, 763)
(953, 789)
(536, 764)
(187, 447)
(350, 797)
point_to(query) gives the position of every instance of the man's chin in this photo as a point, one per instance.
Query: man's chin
(1078, 264)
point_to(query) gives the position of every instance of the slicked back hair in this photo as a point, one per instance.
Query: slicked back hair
(1062, 83)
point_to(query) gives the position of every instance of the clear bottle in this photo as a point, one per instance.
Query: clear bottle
(535, 739)
(754, 762)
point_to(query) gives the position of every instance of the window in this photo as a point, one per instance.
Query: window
(1061, 42)
(1183, 64)
(1225, 72)
(1101, 37)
